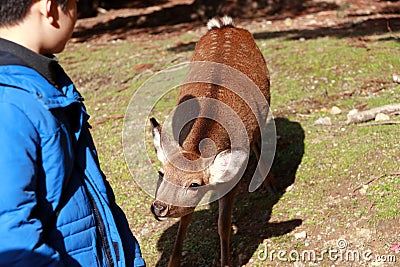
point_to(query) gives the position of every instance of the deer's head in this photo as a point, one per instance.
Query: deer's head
(186, 176)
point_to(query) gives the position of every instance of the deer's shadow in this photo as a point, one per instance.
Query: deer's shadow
(251, 211)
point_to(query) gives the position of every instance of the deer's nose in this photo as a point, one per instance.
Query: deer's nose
(159, 209)
(158, 206)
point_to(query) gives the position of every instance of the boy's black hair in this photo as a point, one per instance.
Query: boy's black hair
(14, 11)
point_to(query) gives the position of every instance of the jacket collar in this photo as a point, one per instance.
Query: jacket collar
(43, 75)
(46, 65)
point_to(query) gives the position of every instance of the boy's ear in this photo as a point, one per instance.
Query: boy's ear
(48, 9)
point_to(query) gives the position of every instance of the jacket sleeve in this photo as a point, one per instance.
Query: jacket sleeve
(20, 231)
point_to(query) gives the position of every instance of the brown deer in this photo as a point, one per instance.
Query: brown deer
(215, 127)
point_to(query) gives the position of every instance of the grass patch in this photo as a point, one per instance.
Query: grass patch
(385, 194)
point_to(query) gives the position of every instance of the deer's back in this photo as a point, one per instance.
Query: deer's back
(236, 48)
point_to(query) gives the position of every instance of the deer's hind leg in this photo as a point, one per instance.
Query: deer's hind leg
(269, 183)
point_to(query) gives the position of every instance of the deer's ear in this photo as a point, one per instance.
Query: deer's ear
(163, 143)
(156, 131)
(227, 164)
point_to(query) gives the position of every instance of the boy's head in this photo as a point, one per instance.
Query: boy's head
(44, 26)
(13, 11)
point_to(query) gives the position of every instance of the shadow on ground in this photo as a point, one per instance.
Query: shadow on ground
(180, 18)
(194, 15)
(345, 30)
(251, 211)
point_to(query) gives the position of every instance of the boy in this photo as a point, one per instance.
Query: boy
(56, 208)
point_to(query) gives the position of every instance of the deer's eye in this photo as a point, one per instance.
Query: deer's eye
(194, 185)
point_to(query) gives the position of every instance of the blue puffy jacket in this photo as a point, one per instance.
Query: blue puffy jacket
(56, 208)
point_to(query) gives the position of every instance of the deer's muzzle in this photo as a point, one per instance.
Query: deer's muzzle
(159, 210)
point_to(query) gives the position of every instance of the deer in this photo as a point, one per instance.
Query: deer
(216, 129)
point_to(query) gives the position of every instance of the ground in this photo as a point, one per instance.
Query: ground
(341, 181)
(317, 15)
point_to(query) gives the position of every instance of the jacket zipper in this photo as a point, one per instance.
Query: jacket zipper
(102, 231)
(99, 221)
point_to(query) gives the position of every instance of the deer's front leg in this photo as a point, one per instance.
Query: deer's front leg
(225, 224)
(175, 259)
